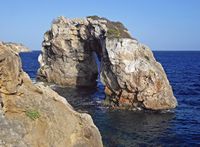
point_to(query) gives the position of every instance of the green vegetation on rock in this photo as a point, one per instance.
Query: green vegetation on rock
(115, 29)
(113, 33)
(33, 114)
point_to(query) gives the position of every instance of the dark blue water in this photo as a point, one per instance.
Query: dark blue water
(30, 63)
(180, 127)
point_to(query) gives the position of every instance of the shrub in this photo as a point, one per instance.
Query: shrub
(113, 33)
(115, 29)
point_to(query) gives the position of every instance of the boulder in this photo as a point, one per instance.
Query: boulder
(132, 77)
(17, 47)
(34, 115)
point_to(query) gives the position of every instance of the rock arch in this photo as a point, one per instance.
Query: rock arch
(132, 77)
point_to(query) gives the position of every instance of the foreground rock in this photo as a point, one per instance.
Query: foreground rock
(15, 47)
(132, 77)
(34, 115)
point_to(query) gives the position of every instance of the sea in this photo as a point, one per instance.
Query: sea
(122, 128)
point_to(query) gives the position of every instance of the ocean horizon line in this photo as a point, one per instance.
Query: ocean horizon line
(155, 50)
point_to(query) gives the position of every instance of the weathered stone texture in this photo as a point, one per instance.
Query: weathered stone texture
(129, 71)
(34, 115)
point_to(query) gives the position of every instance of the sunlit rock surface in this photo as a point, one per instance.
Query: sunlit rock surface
(132, 77)
(17, 47)
(34, 115)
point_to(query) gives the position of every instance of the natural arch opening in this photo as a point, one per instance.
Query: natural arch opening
(88, 68)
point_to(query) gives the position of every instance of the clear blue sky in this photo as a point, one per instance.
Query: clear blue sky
(161, 24)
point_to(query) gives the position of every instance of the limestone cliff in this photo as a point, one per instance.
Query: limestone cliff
(132, 77)
(36, 116)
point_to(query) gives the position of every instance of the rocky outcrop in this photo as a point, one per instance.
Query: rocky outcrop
(15, 47)
(34, 115)
(132, 77)
(66, 58)
(139, 81)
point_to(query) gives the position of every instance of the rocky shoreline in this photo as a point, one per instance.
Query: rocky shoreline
(32, 114)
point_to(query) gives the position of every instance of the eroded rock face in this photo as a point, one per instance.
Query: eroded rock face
(67, 58)
(132, 77)
(15, 47)
(34, 115)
